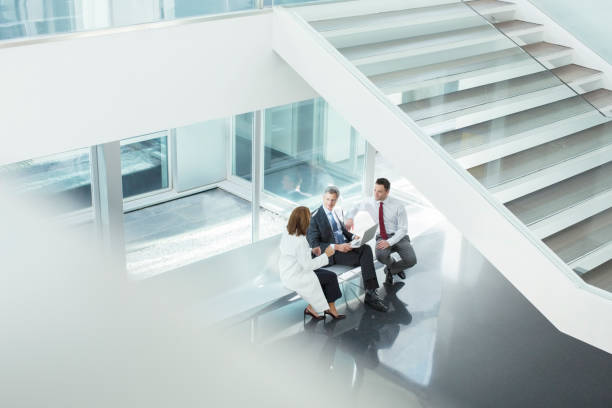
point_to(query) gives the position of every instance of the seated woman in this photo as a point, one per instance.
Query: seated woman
(300, 272)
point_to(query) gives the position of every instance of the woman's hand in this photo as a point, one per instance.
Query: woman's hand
(329, 251)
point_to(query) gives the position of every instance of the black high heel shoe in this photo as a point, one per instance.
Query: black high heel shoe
(338, 317)
(314, 316)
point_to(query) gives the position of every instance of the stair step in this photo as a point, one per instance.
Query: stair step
(420, 45)
(491, 140)
(547, 51)
(390, 19)
(519, 27)
(601, 99)
(455, 75)
(433, 108)
(577, 74)
(342, 9)
(523, 173)
(495, 109)
(564, 204)
(469, 107)
(600, 277)
(585, 245)
(486, 7)
(594, 258)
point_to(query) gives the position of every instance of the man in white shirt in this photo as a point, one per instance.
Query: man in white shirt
(392, 234)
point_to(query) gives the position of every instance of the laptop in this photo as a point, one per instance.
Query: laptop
(367, 236)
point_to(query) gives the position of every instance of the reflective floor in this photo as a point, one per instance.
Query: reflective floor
(457, 335)
(178, 232)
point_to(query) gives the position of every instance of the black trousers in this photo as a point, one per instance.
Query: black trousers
(363, 257)
(329, 284)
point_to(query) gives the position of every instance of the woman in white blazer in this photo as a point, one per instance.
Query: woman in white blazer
(301, 273)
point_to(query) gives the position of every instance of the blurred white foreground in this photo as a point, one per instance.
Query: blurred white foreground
(76, 333)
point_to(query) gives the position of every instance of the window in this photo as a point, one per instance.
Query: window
(308, 146)
(144, 164)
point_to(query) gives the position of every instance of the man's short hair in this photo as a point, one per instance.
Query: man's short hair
(384, 182)
(332, 190)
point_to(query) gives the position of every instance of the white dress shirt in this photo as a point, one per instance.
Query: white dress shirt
(394, 216)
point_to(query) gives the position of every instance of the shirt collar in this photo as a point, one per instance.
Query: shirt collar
(385, 201)
(328, 212)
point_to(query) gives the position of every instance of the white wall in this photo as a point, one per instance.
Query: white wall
(201, 154)
(85, 90)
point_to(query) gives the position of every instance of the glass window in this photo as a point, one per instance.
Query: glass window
(36, 17)
(61, 181)
(19, 19)
(144, 164)
(242, 146)
(188, 8)
(308, 146)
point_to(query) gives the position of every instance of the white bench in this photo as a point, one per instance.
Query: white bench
(239, 282)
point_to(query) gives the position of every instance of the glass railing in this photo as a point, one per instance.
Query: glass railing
(531, 127)
(23, 19)
(571, 75)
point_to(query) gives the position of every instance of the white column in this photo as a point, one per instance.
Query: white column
(108, 202)
(369, 171)
(257, 174)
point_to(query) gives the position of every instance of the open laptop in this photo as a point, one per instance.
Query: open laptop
(367, 236)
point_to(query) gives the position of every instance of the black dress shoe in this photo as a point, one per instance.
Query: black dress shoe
(402, 274)
(389, 277)
(375, 302)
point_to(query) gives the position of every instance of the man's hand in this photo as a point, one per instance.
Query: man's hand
(316, 251)
(382, 244)
(343, 247)
(349, 224)
(329, 251)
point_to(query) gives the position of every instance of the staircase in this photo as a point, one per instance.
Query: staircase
(526, 122)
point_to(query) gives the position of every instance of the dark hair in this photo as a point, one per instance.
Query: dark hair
(299, 220)
(384, 182)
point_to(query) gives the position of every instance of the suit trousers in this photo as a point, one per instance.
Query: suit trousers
(361, 256)
(329, 284)
(404, 248)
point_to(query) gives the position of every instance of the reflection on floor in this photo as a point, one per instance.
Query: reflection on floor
(457, 335)
(175, 233)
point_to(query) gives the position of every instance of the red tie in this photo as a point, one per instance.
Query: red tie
(381, 222)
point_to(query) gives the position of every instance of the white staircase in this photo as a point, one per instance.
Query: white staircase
(513, 110)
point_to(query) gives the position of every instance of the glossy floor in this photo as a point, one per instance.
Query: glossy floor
(457, 335)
